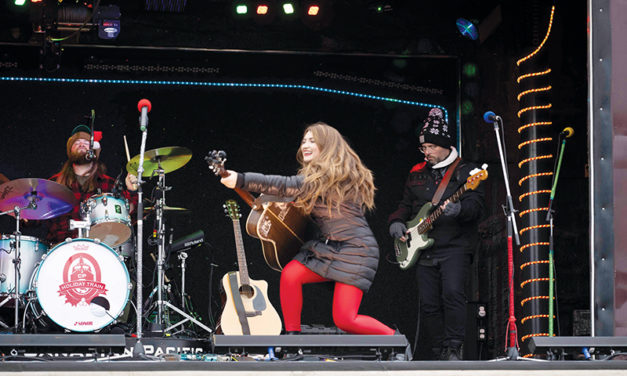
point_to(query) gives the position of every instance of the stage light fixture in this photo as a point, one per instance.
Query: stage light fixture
(467, 28)
(20, 2)
(262, 9)
(288, 8)
(313, 10)
(480, 28)
(241, 9)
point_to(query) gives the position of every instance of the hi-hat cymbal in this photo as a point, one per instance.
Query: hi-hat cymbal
(51, 199)
(169, 158)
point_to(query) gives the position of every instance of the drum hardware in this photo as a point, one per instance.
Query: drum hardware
(39, 199)
(158, 163)
(82, 226)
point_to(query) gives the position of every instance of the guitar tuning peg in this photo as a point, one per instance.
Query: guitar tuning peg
(484, 166)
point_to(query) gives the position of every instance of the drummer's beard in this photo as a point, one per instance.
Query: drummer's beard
(79, 158)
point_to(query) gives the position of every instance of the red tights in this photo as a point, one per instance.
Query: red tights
(346, 300)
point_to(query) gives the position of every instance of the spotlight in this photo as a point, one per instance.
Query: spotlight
(241, 9)
(313, 10)
(473, 29)
(262, 9)
(288, 8)
(467, 28)
(20, 2)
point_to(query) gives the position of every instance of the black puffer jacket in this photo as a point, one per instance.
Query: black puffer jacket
(350, 255)
(451, 234)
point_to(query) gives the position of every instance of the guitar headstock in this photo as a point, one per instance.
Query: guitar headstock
(216, 159)
(473, 181)
(231, 208)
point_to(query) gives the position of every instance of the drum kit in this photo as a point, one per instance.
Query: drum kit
(81, 284)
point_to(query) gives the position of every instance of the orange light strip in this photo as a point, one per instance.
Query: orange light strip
(525, 212)
(533, 176)
(520, 146)
(537, 244)
(533, 193)
(533, 228)
(530, 91)
(533, 263)
(546, 37)
(534, 125)
(546, 106)
(522, 302)
(528, 355)
(523, 283)
(522, 321)
(534, 74)
(534, 159)
(524, 338)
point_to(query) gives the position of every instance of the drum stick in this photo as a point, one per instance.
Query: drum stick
(128, 155)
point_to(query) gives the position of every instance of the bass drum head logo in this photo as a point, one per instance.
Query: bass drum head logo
(81, 279)
(77, 273)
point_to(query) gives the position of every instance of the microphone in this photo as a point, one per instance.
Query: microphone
(144, 106)
(568, 132)
(490, 117)
(91, 155)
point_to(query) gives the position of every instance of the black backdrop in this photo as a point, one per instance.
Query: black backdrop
(259, 127)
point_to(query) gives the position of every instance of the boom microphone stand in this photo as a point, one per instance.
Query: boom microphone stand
(508, 209)
(144, 107)
(566, 133)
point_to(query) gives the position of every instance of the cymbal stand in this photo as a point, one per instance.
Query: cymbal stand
(15, 248)
(159, 206)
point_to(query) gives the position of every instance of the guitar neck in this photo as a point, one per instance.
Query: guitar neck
(428, 222)
(241, 255)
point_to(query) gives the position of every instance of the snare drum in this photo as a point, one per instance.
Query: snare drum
(31, 251)
(82, 285)
(109, 218)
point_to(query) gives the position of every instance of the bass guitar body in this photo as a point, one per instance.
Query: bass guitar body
(280, 228)
(408, 252)
(247, 310)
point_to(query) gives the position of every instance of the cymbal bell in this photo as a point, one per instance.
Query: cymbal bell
(169, 158)
(50, 199)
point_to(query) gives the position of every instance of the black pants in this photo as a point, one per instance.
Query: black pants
(441, 284)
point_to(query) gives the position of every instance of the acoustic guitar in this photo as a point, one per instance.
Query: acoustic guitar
(417, 237)
(278, 225)
(247, 310)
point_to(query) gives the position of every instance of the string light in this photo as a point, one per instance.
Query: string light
(525, 212)
(533, 228)
(526, 337)
(534, 159)
(527, 281)
(533, 317)
(526, 194)
(536, 244)
(546, 37)
(530, 91)
(223, 85)
(539, 174)
(534, 74)
(544, 107)
(545, 297)
(545, 139)
(533, 263)
(537, 123)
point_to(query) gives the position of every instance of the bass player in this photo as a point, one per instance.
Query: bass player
(441, 269)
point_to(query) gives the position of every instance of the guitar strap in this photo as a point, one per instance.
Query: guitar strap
(440, 191)
(239, 305)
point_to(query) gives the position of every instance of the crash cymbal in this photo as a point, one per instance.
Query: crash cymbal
(170, 158)
(51, 199)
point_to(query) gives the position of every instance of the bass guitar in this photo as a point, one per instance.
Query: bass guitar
(278, 225)
(417, 237)
(247, 310)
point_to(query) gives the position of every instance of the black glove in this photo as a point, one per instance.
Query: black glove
(397, 230)
(452, 209)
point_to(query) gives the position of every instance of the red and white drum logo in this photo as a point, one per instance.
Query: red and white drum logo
(81, 280)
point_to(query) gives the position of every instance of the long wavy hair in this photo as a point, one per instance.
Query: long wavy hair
(67, 176)
(336, 175)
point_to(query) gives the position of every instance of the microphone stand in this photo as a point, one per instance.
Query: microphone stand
(508, 209)
(549, 218)
(138, 349)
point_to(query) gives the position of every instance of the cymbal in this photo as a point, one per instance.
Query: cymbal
(170, 158)
(52, 199)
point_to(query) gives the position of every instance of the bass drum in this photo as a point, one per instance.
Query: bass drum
(82, 285)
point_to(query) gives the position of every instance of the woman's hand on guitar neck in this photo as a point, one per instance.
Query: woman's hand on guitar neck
(230, 180)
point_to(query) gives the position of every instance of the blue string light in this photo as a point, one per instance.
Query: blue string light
(224, 84)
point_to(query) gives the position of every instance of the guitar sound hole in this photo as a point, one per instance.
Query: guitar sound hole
(247, 291)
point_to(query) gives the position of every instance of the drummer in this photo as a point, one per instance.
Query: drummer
(85, 178)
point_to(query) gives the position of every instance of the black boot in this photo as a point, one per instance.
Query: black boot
(454, 351)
